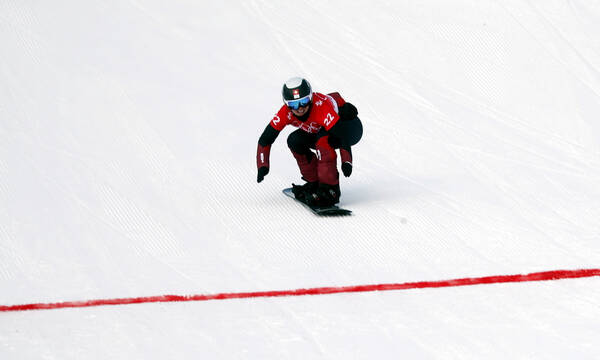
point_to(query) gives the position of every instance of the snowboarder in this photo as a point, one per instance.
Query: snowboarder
(326, 122)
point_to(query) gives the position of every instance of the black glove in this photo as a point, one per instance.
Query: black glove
(347, 111)
(347, 169)
(262, 172)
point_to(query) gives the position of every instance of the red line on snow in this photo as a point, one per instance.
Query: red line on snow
(537, 276)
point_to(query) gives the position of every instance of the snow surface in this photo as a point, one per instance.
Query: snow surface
(128, 134)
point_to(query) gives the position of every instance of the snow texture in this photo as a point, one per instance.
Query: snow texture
(128, 133)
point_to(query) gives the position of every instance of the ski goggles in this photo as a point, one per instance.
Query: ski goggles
(295, 104)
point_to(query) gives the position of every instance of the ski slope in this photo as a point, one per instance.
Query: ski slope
(128, 133)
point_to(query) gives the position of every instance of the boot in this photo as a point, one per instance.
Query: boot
(324, 195)
(302, 192)
(328, 195)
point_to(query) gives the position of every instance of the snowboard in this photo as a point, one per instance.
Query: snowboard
(317, 210)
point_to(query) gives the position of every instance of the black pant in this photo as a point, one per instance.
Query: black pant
(347, 133)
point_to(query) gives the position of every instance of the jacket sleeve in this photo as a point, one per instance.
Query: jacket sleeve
(347, 111)
(345, 150)
(264, 146)
(346, 155)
